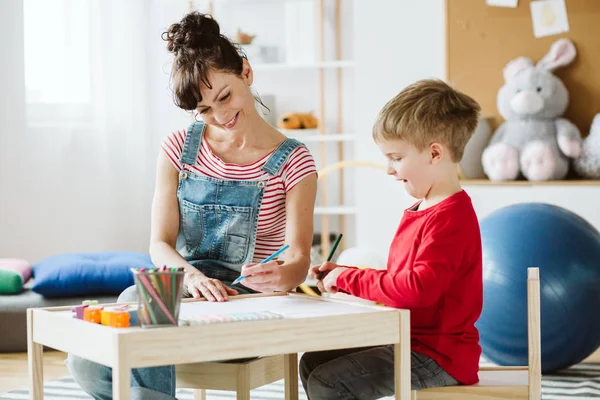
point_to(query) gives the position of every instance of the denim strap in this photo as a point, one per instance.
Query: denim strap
(192, 143)
(280, 155)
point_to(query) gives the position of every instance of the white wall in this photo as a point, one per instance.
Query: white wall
(12, 111)
(64, 190)
(396, 43)
(51, 201)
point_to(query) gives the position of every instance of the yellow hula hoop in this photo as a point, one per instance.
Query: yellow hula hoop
(344, 164)
(323, 172)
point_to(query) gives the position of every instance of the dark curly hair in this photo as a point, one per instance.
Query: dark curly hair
(199, 47)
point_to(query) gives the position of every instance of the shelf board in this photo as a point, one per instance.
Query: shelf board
(335, 210)
(290, 67)
(487, 182)
(313, 136)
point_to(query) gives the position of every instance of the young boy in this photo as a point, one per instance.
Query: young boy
(434, 265)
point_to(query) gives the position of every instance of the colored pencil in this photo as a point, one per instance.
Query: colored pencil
(266, 260)
(147, 307)
(156, 297)
(155, 277)
(174, 286)
(331, 253)
(165, 278)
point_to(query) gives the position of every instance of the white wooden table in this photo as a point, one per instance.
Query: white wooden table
(310, 324)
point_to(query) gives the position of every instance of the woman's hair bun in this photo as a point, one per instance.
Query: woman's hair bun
(194, 33)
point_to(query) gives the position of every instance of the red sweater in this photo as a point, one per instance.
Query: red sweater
(434, 269)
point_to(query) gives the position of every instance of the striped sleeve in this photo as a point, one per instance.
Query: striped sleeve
(172, 145)
(299, 165)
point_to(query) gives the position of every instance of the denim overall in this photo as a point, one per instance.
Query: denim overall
(217, 235)
(219, 218)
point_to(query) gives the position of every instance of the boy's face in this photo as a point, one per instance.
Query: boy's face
(408, 165)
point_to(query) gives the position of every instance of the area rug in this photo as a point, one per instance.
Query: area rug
(581, 381)
(66, 389)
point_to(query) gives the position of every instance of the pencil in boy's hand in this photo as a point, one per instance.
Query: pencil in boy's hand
(266, 260)
(331, 253)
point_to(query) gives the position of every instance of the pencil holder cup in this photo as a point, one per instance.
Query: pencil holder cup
(159, 297)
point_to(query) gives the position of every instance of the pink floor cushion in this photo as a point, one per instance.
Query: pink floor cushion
(14, 273)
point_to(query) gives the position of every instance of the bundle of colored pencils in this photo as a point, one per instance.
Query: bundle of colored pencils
(159, 292)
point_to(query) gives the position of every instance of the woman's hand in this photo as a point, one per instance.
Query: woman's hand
(198, 284)
(265, 278)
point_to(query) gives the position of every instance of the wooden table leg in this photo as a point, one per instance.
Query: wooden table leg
(121, 375)
(291, 376)
(243, 383)
(35, 357)
(402, 359)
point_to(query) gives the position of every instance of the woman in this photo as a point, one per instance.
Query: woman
(230, 191)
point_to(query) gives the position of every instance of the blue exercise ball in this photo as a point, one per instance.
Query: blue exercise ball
(566, 249)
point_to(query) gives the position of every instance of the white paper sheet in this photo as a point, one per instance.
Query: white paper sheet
(502, 3)
(549, 17)
(288, 306)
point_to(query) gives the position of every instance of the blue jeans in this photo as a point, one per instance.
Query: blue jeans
(364, 373)
(155, 383)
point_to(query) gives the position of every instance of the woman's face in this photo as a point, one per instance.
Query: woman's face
(228, 103)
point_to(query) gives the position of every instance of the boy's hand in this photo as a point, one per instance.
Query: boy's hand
(319, 271)
(329, 283)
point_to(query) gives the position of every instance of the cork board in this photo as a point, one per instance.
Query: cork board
(481, 40)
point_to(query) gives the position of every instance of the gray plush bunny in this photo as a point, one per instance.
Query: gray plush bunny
(533, 140)
(588, 163)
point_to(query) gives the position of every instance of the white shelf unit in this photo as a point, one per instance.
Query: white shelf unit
(312, 136)
(334, 135)
(335, 210)
(326, 210)
(290, 67)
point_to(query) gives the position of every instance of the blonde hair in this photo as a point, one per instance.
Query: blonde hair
(429, 111)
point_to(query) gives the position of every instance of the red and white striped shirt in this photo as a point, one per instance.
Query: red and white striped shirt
(270, 235)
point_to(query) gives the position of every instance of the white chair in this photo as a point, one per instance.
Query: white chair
(240, 377)
(505, 382)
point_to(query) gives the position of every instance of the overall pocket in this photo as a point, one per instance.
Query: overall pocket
(217, 232)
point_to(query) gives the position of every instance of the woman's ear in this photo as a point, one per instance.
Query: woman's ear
(247, 73)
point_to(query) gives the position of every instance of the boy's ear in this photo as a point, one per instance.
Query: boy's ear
(437, 151)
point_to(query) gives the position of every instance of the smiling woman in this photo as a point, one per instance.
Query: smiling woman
(243, 188)
(230, 191)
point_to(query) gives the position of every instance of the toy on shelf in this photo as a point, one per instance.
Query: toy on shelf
(470, 165)
(588, 163)
(243, 38)
(294, 120)
(533, 140)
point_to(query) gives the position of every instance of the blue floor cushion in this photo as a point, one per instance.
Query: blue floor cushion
(81, 274)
